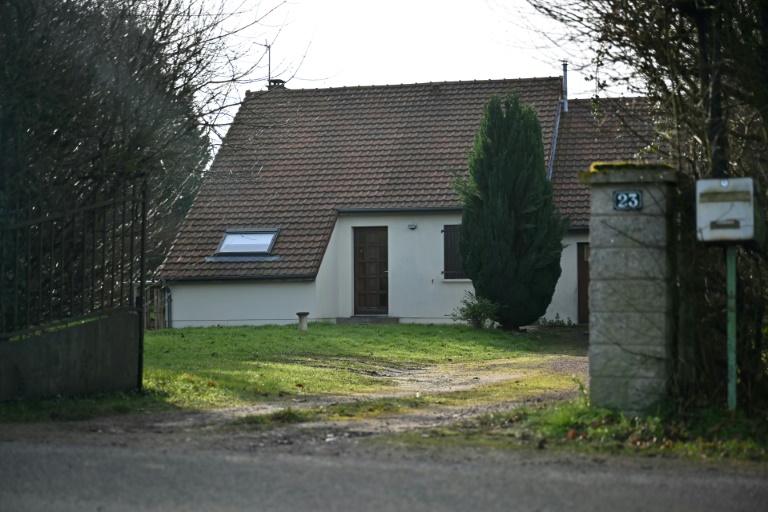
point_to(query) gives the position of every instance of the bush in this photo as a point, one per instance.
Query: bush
(511, 235)
(477, 312)
(555, 322)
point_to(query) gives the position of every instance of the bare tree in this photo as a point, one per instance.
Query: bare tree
(705, 65)
(97, 95)
(97, 92)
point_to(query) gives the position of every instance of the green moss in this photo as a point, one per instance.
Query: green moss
(598, 167)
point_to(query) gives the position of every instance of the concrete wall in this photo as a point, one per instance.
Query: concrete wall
(204, 303)
(99, 356)
(631, 325)
(565, 301)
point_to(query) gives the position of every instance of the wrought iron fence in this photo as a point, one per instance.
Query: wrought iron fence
(155, 306)
(64, 267)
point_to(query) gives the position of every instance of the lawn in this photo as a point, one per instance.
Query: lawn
(206, 368)
(199, 368)
(215, 367)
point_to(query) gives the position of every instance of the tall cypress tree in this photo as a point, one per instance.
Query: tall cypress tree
(511, 235)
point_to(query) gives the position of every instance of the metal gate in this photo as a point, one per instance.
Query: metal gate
(61, 270)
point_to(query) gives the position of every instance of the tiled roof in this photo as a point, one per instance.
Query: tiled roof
(293, 158)
(614, 130)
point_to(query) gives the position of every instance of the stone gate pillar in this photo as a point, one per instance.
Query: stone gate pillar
(630, 290)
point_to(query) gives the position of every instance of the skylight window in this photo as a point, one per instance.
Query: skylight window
(247, 241)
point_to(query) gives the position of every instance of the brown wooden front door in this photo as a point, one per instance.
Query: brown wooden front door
(582, 275)
(371, 267)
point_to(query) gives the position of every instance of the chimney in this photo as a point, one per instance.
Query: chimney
(275, 83)
(565, 86)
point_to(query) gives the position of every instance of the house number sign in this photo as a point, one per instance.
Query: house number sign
(628, 200)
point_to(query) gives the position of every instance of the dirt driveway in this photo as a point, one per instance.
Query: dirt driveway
(214, 429)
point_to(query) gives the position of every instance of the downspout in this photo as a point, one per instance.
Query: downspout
(562, 106)
(552, 151)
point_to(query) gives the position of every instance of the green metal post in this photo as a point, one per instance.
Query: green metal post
(731, 277)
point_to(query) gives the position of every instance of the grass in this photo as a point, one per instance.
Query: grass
(202, 368)
(536, 384)
(219, 367)
(335, 412)
(215, 367)
(708, 434)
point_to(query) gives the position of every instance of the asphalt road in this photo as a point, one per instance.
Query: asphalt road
(104, 478)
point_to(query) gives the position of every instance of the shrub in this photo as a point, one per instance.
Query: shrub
(477, 312)
(511, 235)
(556, 322)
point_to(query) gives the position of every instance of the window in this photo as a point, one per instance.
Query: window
(451, 262)
(247, 241)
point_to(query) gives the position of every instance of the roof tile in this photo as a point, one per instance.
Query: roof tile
(293, 158)
(611, 130)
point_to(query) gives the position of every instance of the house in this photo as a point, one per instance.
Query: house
(611, 130)
(338, 202)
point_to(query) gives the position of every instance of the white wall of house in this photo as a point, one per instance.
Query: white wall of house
(204, 303)
(417, 290)
(327, 287)
(565, 301)
(418, 293)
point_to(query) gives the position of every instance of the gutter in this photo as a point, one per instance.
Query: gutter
(277, 277)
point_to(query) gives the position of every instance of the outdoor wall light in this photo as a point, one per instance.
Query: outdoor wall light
(411, 226)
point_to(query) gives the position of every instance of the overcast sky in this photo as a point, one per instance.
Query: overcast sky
(333, 43)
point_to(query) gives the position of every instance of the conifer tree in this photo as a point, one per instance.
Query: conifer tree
(511, 235)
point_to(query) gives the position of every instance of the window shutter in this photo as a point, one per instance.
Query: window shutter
(451, 259)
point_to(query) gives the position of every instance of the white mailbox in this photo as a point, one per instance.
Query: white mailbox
(725, 210)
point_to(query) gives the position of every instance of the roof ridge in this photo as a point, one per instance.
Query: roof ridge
(611, 98)
(392, 86)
